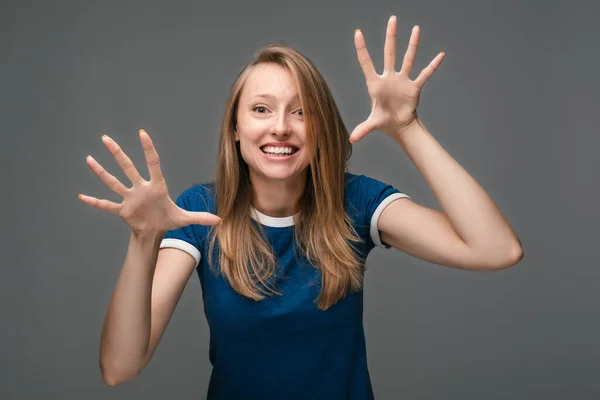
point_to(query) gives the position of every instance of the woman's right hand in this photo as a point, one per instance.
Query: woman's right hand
(146, 206)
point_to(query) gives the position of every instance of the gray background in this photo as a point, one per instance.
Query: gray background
(513, 102)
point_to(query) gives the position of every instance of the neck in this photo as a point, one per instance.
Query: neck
(277, 198)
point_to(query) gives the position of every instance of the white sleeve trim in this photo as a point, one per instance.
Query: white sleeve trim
(375, 218)
(182, 245)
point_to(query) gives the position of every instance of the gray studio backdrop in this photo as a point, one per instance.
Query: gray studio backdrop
(515, 101)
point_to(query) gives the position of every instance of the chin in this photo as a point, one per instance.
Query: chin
(281, 175)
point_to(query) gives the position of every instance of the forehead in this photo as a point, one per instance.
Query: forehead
(271, 80)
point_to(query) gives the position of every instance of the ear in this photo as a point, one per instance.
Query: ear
(237, 135)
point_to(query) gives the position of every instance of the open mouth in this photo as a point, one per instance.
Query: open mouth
(279, 151)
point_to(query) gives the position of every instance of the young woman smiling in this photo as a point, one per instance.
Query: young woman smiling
(279, 239)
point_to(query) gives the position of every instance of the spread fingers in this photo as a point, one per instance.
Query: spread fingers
(122, 159)
(102, 204)
(109, 180)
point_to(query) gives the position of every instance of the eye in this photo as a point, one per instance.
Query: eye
(260, 108)
(301, 113)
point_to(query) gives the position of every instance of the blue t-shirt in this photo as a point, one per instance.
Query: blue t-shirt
(284, 347)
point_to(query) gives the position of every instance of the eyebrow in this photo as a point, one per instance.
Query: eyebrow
(270, 96)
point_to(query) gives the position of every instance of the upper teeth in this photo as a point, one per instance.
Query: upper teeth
(272, 149)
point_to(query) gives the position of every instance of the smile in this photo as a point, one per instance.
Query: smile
(279, 151)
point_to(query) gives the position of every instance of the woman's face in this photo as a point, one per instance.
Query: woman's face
(270, 125)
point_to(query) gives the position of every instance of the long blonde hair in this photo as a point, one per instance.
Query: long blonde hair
(323, 230)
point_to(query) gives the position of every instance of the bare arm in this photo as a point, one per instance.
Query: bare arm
(470, 232)
(147, 292)
(151, 282)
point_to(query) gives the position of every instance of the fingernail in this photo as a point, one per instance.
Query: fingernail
(357, 30)
(104, 136)
(141, 130)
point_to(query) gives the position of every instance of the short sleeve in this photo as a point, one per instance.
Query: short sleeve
(374, 196)
(184, 238)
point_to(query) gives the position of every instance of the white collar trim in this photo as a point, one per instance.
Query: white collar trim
(275, 222)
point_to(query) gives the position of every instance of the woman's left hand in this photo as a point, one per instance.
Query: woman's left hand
(394, 96)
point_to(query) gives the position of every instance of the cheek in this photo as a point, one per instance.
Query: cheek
(248, 145)
(250, 131)
(244, 147)
(300, 130)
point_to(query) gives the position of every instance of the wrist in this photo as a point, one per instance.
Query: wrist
(146, 238)
(400, 134)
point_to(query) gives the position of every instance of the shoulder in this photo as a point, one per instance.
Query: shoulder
(365, 199)
(356, 182)
(361, 189)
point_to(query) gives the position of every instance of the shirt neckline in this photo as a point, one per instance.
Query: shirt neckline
(274, 222)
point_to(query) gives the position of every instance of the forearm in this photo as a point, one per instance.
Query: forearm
(126, 330)
(470, 210)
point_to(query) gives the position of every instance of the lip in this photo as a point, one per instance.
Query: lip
(280, 144)
(279, 158)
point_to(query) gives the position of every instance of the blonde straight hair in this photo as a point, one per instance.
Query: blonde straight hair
(323, 230)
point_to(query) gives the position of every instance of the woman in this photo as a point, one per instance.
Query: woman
(281, 267)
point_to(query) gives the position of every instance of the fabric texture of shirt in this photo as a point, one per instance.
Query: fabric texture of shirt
(284, 347)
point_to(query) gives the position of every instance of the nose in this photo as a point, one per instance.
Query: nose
(281, 126)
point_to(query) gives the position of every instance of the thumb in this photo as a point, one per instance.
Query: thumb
(362, 130)
(202, 218)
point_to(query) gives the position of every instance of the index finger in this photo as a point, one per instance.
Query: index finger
(122, 159)
(364, 59)
(411, 51)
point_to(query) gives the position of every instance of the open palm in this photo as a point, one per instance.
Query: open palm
(394, 96)
(146, 206)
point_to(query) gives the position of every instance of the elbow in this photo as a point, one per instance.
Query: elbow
(515, 255)
(117, 376)
(113, 379)
(121, 368)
